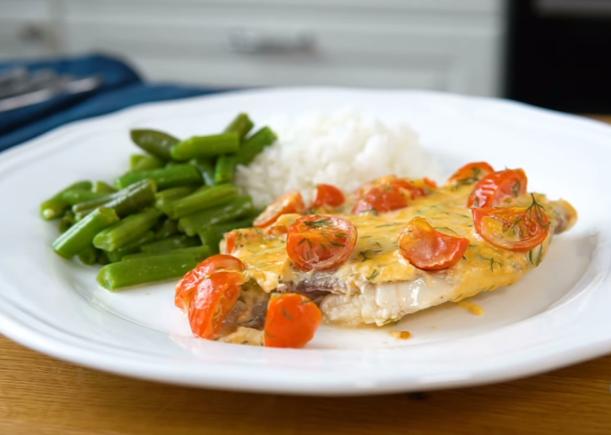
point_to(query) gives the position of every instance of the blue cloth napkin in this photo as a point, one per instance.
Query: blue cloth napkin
(121, 87)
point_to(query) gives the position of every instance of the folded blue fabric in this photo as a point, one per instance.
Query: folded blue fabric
(121, 87)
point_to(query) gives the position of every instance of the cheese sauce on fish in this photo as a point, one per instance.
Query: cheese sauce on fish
(377, 285)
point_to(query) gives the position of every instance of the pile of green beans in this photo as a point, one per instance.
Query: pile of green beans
(167, 213)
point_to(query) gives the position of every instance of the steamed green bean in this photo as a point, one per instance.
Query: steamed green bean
(131, 248)
(169, 244)
(253, 145)
(150, 268)
(224, 170)
(73, 197)
(142, 162)
(54, 207)
(239, 207)
(164, 215)
(166, 199)
(102, 187)
(206, 146)
(193, 250)
(203, 198)
(154, 142)
(80, 235)
(241, 125)
(126, 230)
(170, 176)
(206, 169)
(88, 256)
(129, 200)
(168, 228)
(212, 235)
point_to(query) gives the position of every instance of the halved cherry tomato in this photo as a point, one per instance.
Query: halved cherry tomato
(471, 173)
(328, 195)
(513, 228)
(291, 202)
(187, 285)
(291, 321)
(428, 249)
(320, 242)
(212, 301)
(230, 241)
(388, 193)
(432, 184)
(282, 224)
(418, 187)
(495, 188)
(380, 199)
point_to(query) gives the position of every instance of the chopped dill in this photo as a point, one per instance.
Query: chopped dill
(321, 223)
(392, 224)
(373, 274)
(367, 254)
(535, 255)
(469, 180)
(306, 241)
(492, 261)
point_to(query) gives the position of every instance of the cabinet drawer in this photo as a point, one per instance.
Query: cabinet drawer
(240, 43)
(26, 29)
(241, 72)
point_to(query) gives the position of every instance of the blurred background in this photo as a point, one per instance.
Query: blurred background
(553, 53)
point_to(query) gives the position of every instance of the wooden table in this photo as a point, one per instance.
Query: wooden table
(42, 395)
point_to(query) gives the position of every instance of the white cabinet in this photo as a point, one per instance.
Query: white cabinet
(434, 44)
(27, 28)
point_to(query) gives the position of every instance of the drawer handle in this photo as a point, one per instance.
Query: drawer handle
(33, 32)
(258, 42)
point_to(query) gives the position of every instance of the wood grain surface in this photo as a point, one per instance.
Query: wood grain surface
(40, 395)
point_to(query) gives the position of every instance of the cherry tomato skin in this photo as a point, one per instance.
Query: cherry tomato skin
(471, 172)
(291, 202)
(320, 242)
(428, 249)
(380, 200)
(329, 196)
(495, 188)
(432, 184)
(230, 242)
(220, 262)
(214, 297)
(291, 321)
(513, 228)
(381, 195)
(390, 193)
(415, 188)
(185, 289)
(187, 285)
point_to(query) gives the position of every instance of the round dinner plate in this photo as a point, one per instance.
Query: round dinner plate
(557, 315)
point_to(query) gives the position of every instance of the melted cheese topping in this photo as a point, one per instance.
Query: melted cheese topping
(471, 307)
(377, 261)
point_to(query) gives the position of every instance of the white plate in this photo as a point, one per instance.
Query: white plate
(557, 315)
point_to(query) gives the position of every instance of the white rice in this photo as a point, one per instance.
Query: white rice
(344, 148)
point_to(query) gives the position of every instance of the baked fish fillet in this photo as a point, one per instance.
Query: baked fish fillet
(378, 285)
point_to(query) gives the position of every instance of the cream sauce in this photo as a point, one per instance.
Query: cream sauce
(377, 261)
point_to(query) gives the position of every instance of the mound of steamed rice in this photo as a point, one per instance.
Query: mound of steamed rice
(344, 148)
